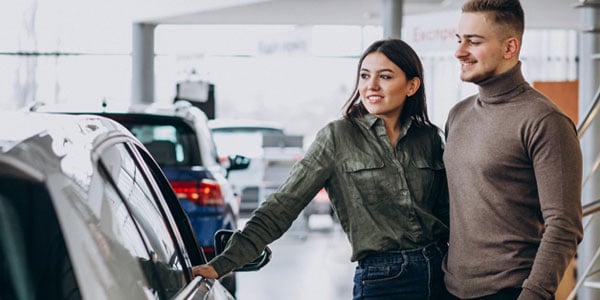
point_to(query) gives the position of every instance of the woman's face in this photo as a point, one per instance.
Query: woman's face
(383, 86)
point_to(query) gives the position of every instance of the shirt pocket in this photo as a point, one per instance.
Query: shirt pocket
(367, 179)
(421, 176)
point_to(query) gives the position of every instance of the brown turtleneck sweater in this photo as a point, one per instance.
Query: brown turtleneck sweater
(514, 167)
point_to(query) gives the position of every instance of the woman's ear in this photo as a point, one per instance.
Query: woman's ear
(413, 86)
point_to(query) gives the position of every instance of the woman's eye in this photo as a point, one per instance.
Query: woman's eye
(385, 76)
(364, 75)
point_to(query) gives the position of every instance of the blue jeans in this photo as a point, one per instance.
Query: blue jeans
(409, 274)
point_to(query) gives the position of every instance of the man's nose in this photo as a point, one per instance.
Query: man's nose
(460, 51)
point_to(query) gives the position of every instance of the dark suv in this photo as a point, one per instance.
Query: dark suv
(86, 213)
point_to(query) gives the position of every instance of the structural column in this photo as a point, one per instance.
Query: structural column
(589, 70)
(392, 12)
(142, 58)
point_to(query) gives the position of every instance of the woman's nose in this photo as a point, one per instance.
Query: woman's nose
(373, 84)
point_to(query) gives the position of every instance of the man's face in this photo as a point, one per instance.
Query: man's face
(480, 49)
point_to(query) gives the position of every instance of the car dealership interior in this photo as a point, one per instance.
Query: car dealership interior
(292, 62)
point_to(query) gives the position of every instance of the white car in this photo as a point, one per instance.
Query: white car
(272, 154)
(180, 141)
(86, 213)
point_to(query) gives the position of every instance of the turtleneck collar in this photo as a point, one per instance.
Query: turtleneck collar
(503, 87)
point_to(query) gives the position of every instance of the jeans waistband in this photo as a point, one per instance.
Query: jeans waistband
(422, 253)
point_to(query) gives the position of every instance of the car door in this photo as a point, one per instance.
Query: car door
(187, 241)
(146, 193)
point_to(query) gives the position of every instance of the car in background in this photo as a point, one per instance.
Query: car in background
(273, 154)
(320, 205)
(179, 139)
(86, 213)
(271, 151)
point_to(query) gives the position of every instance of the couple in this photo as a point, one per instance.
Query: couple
(496, 215)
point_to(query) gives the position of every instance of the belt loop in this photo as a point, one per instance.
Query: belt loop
(427, 250)
(404, 258)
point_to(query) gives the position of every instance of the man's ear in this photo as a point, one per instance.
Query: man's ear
(511, 47)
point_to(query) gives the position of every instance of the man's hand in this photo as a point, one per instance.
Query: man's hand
(205, 271)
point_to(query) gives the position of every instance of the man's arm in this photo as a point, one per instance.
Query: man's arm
(557, 163)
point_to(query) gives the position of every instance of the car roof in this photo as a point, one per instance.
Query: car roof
(243, 124)
(148, 119)
(182, 109)
(37, 145)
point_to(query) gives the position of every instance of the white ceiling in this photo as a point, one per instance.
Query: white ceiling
(538, 13)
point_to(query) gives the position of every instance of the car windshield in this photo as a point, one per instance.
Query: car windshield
(247, 141)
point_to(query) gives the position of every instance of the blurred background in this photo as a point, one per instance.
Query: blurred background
(68, 51)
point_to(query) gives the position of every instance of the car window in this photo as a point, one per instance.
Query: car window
(247, 141)
(34, 261)
(180, 217)
(164, 254)
(126, 252)
(244, 143)
(207, 143)
(169, 145)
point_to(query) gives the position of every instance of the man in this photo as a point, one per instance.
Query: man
(513, 162)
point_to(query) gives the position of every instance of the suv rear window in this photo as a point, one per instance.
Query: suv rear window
(171, 141)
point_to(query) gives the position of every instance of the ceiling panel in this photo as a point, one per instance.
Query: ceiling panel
(538, 13)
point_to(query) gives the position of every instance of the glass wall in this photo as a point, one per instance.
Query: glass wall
(70, 52)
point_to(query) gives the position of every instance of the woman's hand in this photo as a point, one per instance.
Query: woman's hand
(206, 271)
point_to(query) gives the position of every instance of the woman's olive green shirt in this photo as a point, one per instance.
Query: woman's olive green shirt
(386, 198)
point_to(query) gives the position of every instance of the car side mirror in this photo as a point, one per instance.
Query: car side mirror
(223, 236)
(237, 162)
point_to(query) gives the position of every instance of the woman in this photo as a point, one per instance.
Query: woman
(382, 167)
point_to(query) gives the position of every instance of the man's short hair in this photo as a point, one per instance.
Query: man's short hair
(506, 13)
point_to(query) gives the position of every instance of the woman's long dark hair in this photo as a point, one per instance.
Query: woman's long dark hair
(401, 54)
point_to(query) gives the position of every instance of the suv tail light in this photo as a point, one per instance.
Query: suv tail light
(209, 252)
(204, 192)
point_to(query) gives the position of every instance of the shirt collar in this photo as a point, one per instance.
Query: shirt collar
(374, 123)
